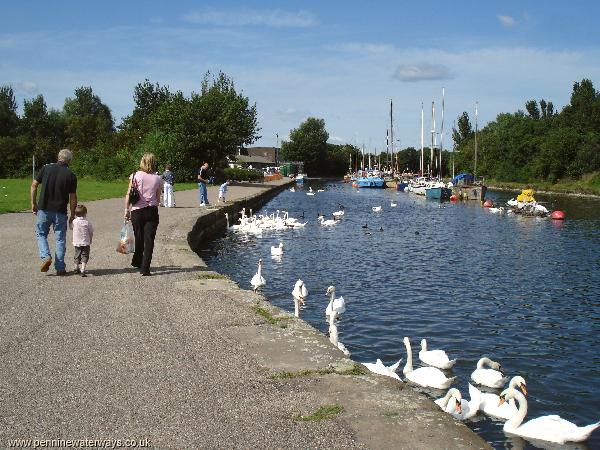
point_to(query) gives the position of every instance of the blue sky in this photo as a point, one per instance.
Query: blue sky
(338, 60)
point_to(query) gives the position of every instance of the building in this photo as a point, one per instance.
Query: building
(251, 162)
(270, 153)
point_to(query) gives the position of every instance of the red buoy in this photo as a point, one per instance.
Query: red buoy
(488, 203)
(558, 215)
(453, 198)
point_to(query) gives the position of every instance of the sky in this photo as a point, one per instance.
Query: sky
(342, 61)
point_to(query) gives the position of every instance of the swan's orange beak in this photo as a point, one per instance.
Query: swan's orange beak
(502, 400)
(458, 407)
(523, 388)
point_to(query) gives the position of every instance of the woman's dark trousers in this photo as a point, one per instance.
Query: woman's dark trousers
(145, 223)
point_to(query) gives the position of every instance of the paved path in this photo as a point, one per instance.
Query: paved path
(182, 362)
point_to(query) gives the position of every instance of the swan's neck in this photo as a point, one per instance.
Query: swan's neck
(408, 367)
(227, 217)
(333, 334)
(482, 362)
(332, 314)
(423, 345)
(518, 418)
(259, 269)
(296, 307)
(446, 399)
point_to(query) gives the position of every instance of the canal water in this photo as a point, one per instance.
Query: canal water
(522, 291)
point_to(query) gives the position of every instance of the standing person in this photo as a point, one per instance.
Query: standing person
(83, 232)
(59, 187)
(144, 212)
(202, 181)
(169, 179)
(223, 191)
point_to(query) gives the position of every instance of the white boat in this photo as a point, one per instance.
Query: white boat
(418, 185)
(300, 178)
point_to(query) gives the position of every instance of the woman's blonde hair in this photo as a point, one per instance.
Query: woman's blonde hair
(148, 163)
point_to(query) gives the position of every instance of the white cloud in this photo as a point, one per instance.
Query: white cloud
(293, 115)
(26, 87)
(422, 72)
(362, 48)
(507, 21)
(336, 140)
(246, 17)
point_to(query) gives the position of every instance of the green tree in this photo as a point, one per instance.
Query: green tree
(308, 143)
(532, 109)
(88, 120)
(464, 130)
(9, 119)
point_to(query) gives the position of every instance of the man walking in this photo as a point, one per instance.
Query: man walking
(202, 181)
(59, 187)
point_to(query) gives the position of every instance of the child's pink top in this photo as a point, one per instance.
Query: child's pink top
(148, 184)
(83, 231)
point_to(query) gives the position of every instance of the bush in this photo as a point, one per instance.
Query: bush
(236, 174)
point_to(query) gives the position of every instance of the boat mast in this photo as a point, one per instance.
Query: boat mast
(475, 167)
(441, 137)
(422, 161)
(363, 158)
(392, 134)
(453, 148)
(432, 138)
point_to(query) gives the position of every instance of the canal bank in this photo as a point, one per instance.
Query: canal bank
(184, 358)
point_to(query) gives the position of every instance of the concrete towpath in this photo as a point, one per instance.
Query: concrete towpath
(183, 359)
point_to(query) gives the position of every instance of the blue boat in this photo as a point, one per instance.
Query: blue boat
(370, 182)
(437, 191)
(300, 178)
(401, 186)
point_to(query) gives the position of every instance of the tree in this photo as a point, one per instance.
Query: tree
(308, 143)
(9, 119)
(464, 131)
(532, 109)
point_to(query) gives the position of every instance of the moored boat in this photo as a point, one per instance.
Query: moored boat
(300, 178)
(437, 190)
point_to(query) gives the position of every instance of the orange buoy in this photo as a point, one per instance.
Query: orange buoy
(558, 215)
(453, 198)
(488, 203)
(355, 184)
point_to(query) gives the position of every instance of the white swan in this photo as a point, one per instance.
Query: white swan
(460, 408)
(546, 428)
(489, 401)
(376, 208)
(336, 306)
(328, 222)
(435, 358)
(320, 190)
(299, 293)
(231, 227)
(424, 376)
(257, 280)
(277, 251)
(393, 204)
(379, 368)
(338, 214)
(488, 377)
(292, 189)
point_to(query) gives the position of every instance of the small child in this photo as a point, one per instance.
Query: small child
(169, 180)
(223, 191)
(83, 231)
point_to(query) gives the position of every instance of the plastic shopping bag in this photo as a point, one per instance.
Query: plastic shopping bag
(126, 240)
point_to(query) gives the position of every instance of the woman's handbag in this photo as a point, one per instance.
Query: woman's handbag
(134, 194)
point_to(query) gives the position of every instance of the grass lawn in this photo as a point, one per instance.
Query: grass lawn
(14, 193)
(589, 184)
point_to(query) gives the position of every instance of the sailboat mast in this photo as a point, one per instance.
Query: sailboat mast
(441, 137)
(392, 135)
(475, 167)
(453, 148)
(432, 138)
(422, 161)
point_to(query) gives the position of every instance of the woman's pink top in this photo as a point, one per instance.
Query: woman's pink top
(148, 184)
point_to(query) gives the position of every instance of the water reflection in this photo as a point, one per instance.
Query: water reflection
(522, 291)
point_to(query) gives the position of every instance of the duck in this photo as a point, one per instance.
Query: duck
(376, 208)
(489, 401)
(336, 306)
(492, 378)
(435, 358)
(393, 204)
(545, 428)
(278, 250)
(379, 368)
(365, 226)
(299, 293)
(460, 408)
(258, 280)
(424, 376)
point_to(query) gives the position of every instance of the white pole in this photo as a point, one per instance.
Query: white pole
(432, 136)
(475, 167)
(422, 162)
(441, 137)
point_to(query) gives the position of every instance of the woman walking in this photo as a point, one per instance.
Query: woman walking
(144, 212)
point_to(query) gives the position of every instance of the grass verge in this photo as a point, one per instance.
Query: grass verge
(14, 192)
(278, 321)
(588, 185)
(356, 369)
(323, 413)
(212, 276)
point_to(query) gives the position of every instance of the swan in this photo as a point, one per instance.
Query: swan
(546, 428)
(435, 358)
(292, 189)
(333, 338)
(379, 368)
(424, 376)
(258, 280)
(320, 190)
(328, 222)
(277, 251)
(310, 193)
(299, 293)
(336, 306)
(460, 409)
(338, 214)
(231, 227)
(393, 204)
(488, 377)
(376, 208)
(489, 401)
